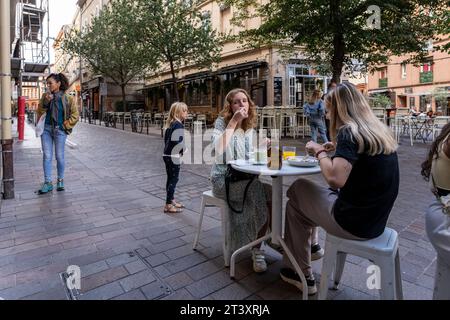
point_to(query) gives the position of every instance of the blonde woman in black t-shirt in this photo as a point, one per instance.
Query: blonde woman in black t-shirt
(362, 178)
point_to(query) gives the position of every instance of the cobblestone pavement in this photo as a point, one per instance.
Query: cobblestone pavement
(109, 221)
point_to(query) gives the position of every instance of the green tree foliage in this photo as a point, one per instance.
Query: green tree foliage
(381, 101)
(111, 46)
(178, 35)
(333, 33)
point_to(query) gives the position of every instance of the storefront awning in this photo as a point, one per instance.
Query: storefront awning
(428, 93)
(379, 91)
(242, 67)
(205, 75)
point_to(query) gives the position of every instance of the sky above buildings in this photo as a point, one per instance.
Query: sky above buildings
(61, 13)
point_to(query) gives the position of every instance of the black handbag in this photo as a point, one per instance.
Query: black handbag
(233, 175)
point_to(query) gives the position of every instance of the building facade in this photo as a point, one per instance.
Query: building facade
(416, 87)
(66, 64)
(32, 91)
(268, 77)
(98, 93)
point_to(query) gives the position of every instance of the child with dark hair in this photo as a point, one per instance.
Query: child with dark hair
(61, 116)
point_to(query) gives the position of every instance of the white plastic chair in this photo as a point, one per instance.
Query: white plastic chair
(382, 251)
(288, 120)
(209, 200)
(438, 124)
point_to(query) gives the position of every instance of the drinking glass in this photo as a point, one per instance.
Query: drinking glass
(288, 152)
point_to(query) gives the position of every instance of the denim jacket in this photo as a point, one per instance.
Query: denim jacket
(314, 111)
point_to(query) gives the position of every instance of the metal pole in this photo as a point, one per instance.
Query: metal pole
(5, 76)
(80, 76)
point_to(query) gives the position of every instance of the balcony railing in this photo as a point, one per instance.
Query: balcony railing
(382, 83)
(426, 77)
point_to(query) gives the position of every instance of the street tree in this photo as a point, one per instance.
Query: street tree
(178, 35)
(110, 45)
(335, 33)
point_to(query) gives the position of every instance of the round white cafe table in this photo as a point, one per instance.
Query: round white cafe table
(277, 207)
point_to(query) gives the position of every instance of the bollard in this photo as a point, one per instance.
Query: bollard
(21, 117)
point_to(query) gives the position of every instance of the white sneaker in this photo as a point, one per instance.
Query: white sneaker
(259, 260)
(316, 252)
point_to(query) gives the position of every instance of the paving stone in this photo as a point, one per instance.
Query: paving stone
(157, 259)
(178, 280)
(164, 246)
(202, 270)
(122, 259)
(137, 280)
(105, 292)
(162, 271)
(181, 294)
(232, 292)
(57, 293)
(7, 282)
(21, 291)
(209, 284)
(135, 266)
(91, 257)
(154, 290)
(98, 279)
(93, 268)
(132, 295)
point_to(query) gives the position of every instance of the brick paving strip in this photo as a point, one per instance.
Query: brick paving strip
(110, 223)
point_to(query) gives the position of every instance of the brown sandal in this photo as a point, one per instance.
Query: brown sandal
(171, 209)
(177, 205)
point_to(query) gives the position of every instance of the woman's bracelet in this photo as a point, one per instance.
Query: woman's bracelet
(325, 156)
(319, 152)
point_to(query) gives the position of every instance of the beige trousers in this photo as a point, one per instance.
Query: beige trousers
(309, 205)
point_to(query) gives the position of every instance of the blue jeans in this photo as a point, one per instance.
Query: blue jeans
(57, 137)
(317, 124)
(173, 171)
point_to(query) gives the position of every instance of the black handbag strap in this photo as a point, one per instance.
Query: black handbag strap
(227, 189)
(227, 180)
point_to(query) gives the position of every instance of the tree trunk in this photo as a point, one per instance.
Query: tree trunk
(337, 61)
(175, 88)
(124, 104)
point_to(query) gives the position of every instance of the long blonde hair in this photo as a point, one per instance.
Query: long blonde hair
(175, 113)
(227, 111)
(350, 109)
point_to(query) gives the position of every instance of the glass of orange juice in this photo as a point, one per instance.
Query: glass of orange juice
(288, 152)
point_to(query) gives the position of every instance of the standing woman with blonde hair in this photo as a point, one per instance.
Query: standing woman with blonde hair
(315, 111)
(232, 135)
(61, 116)
(363, 177)
(173, 151)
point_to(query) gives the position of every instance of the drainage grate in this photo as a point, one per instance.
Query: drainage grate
(71, 293)
(162, 289)
(165, 288)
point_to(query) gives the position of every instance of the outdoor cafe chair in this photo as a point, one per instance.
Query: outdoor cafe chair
(202, 118)
(267, 119)
(209, 200)
(288, 121)
(382, 252)
(438, 123)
